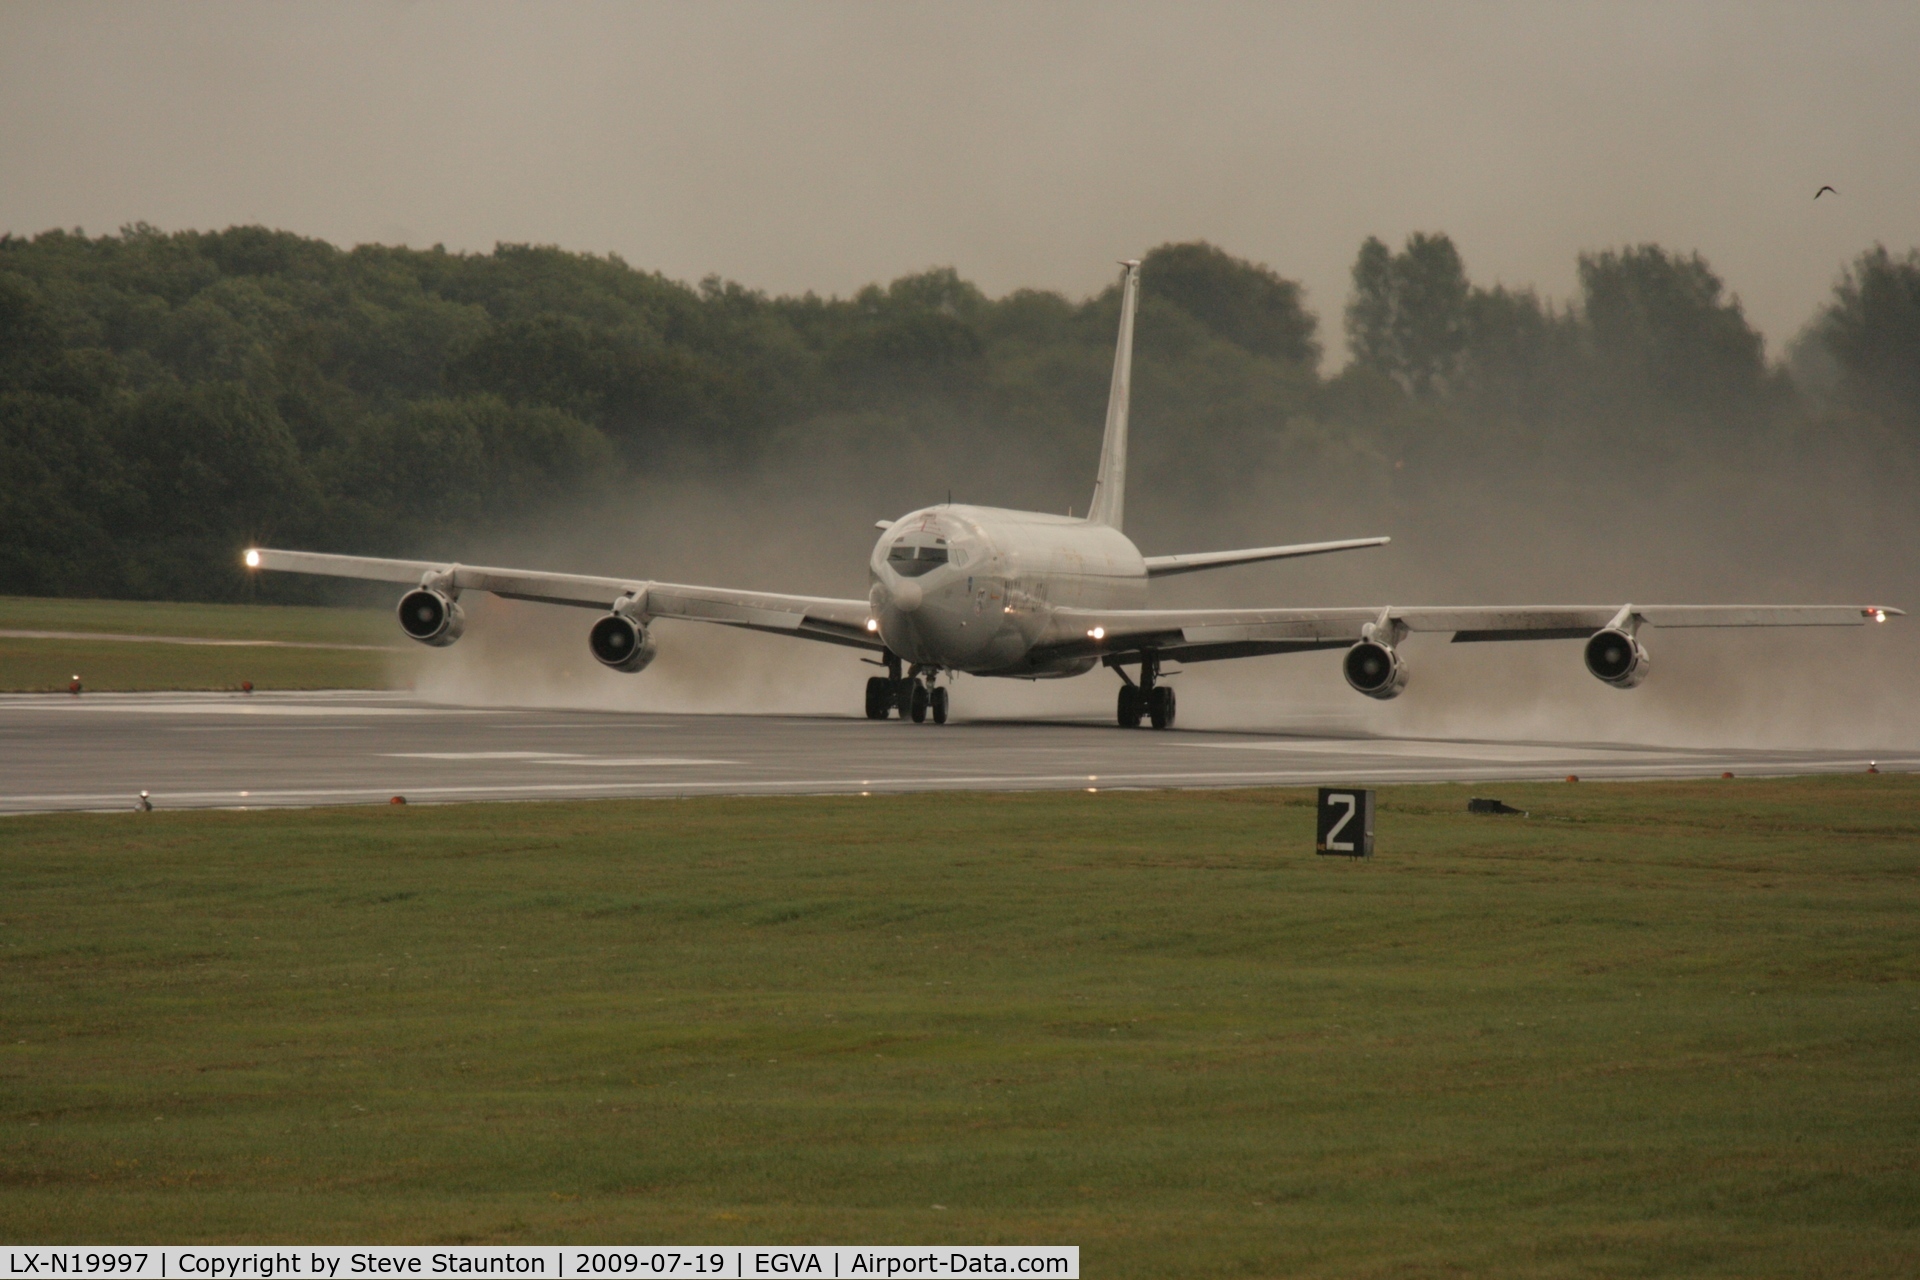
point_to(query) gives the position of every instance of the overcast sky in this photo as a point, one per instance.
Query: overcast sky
(824, 146)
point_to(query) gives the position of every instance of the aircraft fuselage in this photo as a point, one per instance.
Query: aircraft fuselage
(972, 589)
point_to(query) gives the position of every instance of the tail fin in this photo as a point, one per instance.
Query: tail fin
(1110, 489)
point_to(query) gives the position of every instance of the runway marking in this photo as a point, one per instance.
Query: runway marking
(1004, 782)
(604, 762)
(607, 720)
(1514, 754)
(575, 758)
(480, 755)
(225, 644)
(94, 703)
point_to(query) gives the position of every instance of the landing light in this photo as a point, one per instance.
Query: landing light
(1098, 633)
(1879, 615)
(873, 624)
(253, 559)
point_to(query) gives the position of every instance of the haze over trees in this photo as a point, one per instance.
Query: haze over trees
(166, 398)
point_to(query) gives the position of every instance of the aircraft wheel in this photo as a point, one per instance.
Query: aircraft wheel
(919, 703)
(1130, 706)
(879, 697)
(1160, 706)
(939, 706)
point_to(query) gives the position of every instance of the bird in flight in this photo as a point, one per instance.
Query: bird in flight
(1822, 191)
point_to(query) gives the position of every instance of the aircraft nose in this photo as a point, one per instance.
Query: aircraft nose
(907, 596)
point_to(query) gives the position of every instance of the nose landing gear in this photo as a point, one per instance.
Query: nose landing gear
(1149, 698)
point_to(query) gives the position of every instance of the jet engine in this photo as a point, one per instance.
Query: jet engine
(1617, 658)
(1375, 669)
(431, 617)
(621, 643)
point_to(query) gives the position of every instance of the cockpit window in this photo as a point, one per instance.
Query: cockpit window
(911, 562)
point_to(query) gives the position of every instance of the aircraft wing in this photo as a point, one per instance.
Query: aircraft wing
(809, 617)
(1200, 635)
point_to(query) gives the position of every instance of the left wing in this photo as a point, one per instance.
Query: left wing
(1193, 561)
(809, 617)
(1200, 635)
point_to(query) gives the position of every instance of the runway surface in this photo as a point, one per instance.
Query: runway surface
(98, 751)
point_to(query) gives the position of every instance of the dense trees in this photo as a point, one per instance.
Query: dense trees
(1872, 332)
(1407, 318)
(165, 398)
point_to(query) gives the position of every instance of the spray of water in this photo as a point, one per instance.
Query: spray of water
(807, 527)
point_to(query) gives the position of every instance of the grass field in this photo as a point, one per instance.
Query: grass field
(34, 665)
(1654, 1029)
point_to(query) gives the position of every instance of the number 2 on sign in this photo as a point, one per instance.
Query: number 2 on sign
(1334, 843)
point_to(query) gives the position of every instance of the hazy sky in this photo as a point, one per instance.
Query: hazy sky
(824, 146)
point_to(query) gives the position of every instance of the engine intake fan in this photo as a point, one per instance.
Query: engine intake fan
(1617, 658)
(1375, 669)
(619, 642)
(432, 617)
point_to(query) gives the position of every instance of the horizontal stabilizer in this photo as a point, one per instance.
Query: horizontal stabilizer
(1167, 566)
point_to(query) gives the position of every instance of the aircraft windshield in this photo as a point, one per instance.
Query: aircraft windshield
(911, 562)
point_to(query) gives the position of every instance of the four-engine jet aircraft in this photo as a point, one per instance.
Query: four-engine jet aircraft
(993, 592)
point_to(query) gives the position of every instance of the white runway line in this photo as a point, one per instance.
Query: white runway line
(479, 755)
(242, 705)
(620, 762)
(1514, 753)
(272, 750)
(304, 797)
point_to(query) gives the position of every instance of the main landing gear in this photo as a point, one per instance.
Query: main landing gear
(1149, 698)
(915, 695)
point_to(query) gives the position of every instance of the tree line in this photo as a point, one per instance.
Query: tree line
(166, 398)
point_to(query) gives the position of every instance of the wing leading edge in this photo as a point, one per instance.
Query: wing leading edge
(809, 617)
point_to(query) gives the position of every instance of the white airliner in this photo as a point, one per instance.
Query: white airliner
(992, 592)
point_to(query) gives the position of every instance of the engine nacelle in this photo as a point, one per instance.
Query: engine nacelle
(619, 642)
(1617, 658)
(432, 617)
(1375, 669)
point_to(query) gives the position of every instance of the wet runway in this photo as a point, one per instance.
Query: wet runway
(98, 751)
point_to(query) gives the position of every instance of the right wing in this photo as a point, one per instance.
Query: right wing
(809, 617)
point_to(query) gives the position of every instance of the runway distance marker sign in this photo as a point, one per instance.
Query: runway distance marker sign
(1345, 823)
(557, 1262)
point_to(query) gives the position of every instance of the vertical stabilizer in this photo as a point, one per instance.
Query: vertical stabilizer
(1110, 489)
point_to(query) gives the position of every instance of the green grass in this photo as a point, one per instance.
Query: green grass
(34, 665)
(1655, 1029)
(305, 623)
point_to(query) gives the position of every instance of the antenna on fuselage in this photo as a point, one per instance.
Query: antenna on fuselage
(1110, 487)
